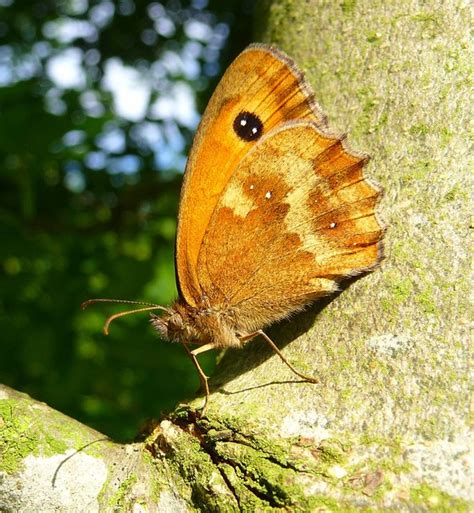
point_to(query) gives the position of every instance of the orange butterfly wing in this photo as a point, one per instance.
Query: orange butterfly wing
(261, 80)
(296, 216)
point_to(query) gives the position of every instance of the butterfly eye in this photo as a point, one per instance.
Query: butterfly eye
(248, 126)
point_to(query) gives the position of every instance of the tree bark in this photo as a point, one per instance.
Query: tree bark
(387, 428)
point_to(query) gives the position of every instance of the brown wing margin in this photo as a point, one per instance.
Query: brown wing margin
(318, 117)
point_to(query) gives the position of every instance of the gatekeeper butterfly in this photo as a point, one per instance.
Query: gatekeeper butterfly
(275, 211)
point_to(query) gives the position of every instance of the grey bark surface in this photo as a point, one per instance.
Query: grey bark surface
(387, 429)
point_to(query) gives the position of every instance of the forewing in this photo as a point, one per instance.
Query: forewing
(262, 81)
(296, 217)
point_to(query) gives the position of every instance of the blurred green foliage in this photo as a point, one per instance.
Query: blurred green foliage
(89, 195)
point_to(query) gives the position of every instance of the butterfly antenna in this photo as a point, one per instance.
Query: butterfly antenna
(85, 304)
(148, 307)
(137, 310)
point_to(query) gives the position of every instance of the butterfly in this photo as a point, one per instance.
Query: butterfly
(275, 211)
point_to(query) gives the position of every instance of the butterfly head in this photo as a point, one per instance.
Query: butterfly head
(176, 324)
(198, 325)
(170, 325)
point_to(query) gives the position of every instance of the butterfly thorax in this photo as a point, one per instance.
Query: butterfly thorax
(201, 325)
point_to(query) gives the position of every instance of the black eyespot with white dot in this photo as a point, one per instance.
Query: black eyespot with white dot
(248, 126)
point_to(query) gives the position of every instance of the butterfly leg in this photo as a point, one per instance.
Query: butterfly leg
(202, 377)
(203, 349)
(272, 344)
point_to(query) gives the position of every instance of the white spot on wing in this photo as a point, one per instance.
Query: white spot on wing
(268, 195)
(237, 200)
(332, 225)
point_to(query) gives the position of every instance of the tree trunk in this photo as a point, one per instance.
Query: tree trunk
(387, 427)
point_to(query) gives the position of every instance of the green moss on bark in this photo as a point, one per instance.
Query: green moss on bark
(18, 440)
